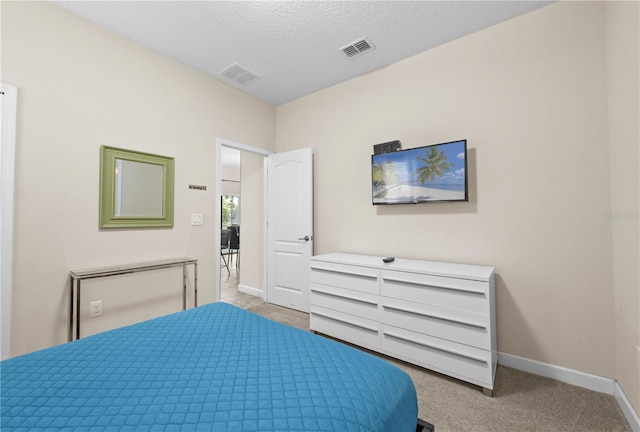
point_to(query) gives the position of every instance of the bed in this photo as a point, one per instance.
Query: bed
(212, 368)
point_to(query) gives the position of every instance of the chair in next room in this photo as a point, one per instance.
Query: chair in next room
(234, 243)
(224, 247)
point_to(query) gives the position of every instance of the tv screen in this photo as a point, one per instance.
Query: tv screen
(433, 173)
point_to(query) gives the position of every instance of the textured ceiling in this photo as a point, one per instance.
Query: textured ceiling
(294, 46)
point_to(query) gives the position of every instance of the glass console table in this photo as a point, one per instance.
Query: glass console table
(77, 276)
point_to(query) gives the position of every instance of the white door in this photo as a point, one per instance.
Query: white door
(290, 228)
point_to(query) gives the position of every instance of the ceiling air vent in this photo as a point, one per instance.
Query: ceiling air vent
(239, 74)
(357, 48)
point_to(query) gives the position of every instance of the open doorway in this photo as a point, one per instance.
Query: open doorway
(275, 256)
(240, 207)
(230, 178)
(230, 237)
(229, 247)
(230, 165)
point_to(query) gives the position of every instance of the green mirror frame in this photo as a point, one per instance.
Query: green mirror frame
(108, 218)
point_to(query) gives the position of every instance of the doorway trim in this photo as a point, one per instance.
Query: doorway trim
(7, 170)
(222, 142)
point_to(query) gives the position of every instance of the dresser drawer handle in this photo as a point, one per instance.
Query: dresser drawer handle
(344, 296)
(472, 291)
(346, 272)
(426, 345)
(346, 321)
(428, 315)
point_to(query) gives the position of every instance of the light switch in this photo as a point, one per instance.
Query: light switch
(196, 218)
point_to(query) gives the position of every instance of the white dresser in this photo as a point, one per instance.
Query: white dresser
(436, 315)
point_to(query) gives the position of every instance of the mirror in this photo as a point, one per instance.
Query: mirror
(136, 189)
(139, 188)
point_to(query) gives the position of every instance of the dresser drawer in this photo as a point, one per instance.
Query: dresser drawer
(436, 290)
(345, 276)
(350, 328)
(469, 328)
(461, 361)
(351, 302)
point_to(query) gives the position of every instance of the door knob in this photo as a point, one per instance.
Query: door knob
(305, 238)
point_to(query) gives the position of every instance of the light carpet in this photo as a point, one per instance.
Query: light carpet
(521, 401)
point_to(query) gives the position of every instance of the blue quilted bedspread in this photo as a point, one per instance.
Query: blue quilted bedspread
(212, 368)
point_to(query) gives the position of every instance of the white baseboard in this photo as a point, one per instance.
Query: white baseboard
(251, 291)
(580, 379)
(627, 409)
(569, 376)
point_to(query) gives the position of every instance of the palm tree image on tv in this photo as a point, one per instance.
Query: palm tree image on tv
(435, 164)
(423, 174)
(383, 175)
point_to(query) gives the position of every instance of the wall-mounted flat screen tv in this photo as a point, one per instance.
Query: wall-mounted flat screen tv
(433, 173)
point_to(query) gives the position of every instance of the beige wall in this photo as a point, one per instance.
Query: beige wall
(622, 52)
(80, 87)
(530, 97)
